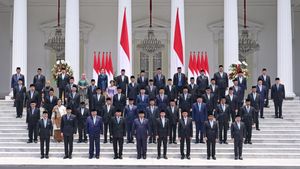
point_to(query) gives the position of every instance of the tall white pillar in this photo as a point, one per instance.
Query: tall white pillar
(231, 33)
(19, 47)
(72, 47)
(284, 45)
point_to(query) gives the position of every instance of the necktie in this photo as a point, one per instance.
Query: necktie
(141, 121)
(18, 76)
(51, 99)
(39, 76)
(45, 123)
(199, 105)
(98, 97)
(163, 122)
(142, 97)
(94, 120)
(223, 107)
(239, 126)
(68, 117)
(248, 109)
(211, 124)
(118, 120)
(185, 121)
(32, 111)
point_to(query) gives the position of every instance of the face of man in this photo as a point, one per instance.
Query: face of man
(108, 102)
(172, 104)
(131, 102)
(48, 83)
(235, 83)
(150, 83)
(32, 105)
(253, 90)
(152, 102)
(221, 69)
(98, 91)
(122, 73)
(179, 70)
(51, 93)
(169, 82)
(142, 74)
(162, 114)
(238, 119)
(102, 71)
(63, 71)
(141, 115)
(45, 115)
(142, 91)
(223, 101)
(20, 82)
(118, 113)
(231, 92)
(132, 80)
(208, 91)
(161, 91)
(158, 71)
(277, 81)
(94, 113)
(71, 81)
(199, 100)
(119, 91)
(18, 71)
(202, 73)
(210, 118)
(39, 71)
(69, 111)
(73, 89)
(93, 83)
(32, 88)
(264, 72)
(184, 114)
(213, 82)
(82, 105)
(248, 103)
(185, 90)
(260, 82)
(192, 81)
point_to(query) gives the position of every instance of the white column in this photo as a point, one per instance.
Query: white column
(19, 47)
(284, 46)
(231, 33)
(72, 48)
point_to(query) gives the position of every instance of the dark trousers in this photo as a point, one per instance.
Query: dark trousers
(129, 132)
(68, 145)
(118, 141)
(278, 108)
(211, 148)
(256, 120)
(19, 106)
(222, 92)
(248, 132)
(238, 148)
(94, 142)
(32, 132)
(261, 109)
(106, 126)
(199, 129)
(223, 127)
(188, 146)
(82, 133)
(42, 144)
(172, 136)
(152, 134)
(141, 145)
(232, 114)
(164, 140)
(267, 99)
(62, 92)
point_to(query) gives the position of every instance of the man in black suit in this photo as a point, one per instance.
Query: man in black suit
(73, 99)
(232, 102)
(91, 91)
(142, 100)
(214, 89)
(173, 116)
(39, 81)
(152, 113)
(162, 100)
(140, 130)
(162, 133)
(142, 80)
(239, 92)
(118, 132)
(130, 113)
(69, 86)
(262, 91)
(62, 82)
(185, 100)
(68, 128)
(171, 90)
(179, 80)
(222, 114)
(266, 82)
(98, 101)
(122, 81)
(49, 102)
(211, 136)
(119, 99)
(151, 90)
(32, 118)
(185, 134)
(133, 89)
(247, 113)
(16, 77)
(242, 83)
(94, 128)
(254, 98)
(202, 82)
(159, 79)
(210, 100)
(278, 94)
(45, 131)
(238, 133)
(19, 94)
(82, 114)
(193, 89)
(108, 112)
(221, 78)
(32, 95)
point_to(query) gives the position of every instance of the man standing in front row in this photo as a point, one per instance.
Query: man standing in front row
(185, 134)
(162, 133)
(278, 94)
(45, 131)
(94, 127)
(211, 136)
(238, 133)
(32, 118)
(118, 131)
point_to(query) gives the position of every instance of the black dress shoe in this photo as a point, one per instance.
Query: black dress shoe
(258, 129)
(208, 158)
(214, 158)
(79, 141)
(29, 141)
(188, 157)
(120, 157)
(182, 157)
(42, 157)
(241, 158)
(65, 157)
(276, 117)
(104, 141)
(249, 142)
(35, 141)
(202, 142)
(85, 141)
(144, 157)
(262, 117)
(90, 157)
(281, 117)
(115, 157)
(165, 157)
(138, 157)
(235, 158)
(97, 157)
(158, 157)
(175, 142)
(196, 142)
(225, 142)
(220, 142)
(170, 142)
(47, 156)
(245, 142)
(70, 156)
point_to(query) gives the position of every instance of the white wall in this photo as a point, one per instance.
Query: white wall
(296, 46)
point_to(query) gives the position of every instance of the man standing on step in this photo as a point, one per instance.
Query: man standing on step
(278, 94)
(162, 133)
(117, 127)
(82, 114)
(199, 115)
(238, 133)
(45, 131)
(211, 136)
(266, 82)
(19, 93)
(262, 91)
(222, 114)
(68, 129)
(185, 134)
(32, 118)
(254, 98)
(247, 113)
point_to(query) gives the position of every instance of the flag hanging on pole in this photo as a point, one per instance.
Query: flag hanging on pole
(206, 64)
(95, 66)
(110, 69)
(191, 72)
(199, 64)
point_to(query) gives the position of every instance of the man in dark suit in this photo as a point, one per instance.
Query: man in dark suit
(118, 132)
(133, 89)
(173, 116)
(98, 101)
(91, 91)
(142, 80)
(32, 118)
(238, 133)
(39, 81)
(73, 100)
(210, 100)
(82, 114)
(211, 136)
(262, 91)
(140, 130)
(32, 95)
(159, 79)
(142, 100)
(162, 100)
(242, 83)
(94, 127)
(102, 80)
(221, 78)
(45, 131)
(239, 92)
(266, 82)
(49, 102)
(16, 77)
(122, 81)
(162, 133)
(222, 115)
(108, 112)
(185, 100)
(62, 82)
(193, 89)
(254, 98)
(119, 99)
(68, 128)
(130, 113)
(214, 89)
(19, 94)
(278, 94)
(171, 90)
(179, 80)
(247, 113)
(232, 102)
(185, 134)
(151, 90)
(199, 115)
(69, 86)
(202, 82)
(152, 113)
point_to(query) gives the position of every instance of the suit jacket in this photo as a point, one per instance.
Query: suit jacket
(233, 104)
(119, 104)
(247, 117)
(62, 83)
(199, 115)
(211, 133)
(255, 102)
(236, 133)
(133, 91)
(130, 114)
(118, 130)
(171, 92)
(91, 92)
(194, 91)
(94, 129)
(19, 93)
(152, 116)
(173, 116)
(39, 82)
(74, 102)
(68, 89)
(139, 129)
(81, 118)
(29, 99)
(142, 104)
(98, 104)
(266, 82)
(102, 81)
(222, 82)
(45, 132)
(221, 115)
(185, 131)
(185, 104)
(107, 115)
(162, 103)
(262, 93)
(151, 93)
(278, 94)
(211, 103)
(182, 82)
(162, 130)
(239, 92)
(48, 104)
(202, 82)
(215, 91)
(68, 126)
(122, 84)
(243, 83)
(15, 79)
(32, 117)
(142, 83)
(159, 83)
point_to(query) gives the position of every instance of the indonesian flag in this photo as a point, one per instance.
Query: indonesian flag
(177, 57)
(103, 64)
(206, 66)
(96, 67)
(109, 68)
(124, 37)
(199, 63)
(191, 71)
(195, 64)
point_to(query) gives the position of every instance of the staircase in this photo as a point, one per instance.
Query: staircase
(278, 138)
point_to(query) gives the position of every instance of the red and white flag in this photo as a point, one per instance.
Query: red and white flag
(206, 65)
(177, 57)
(109, 68)
(199, 63)
(125, 37)
(96, 66)
(191, 71)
